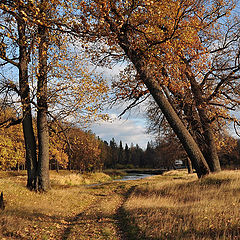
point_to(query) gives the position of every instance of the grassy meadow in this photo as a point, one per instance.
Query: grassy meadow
(172, 206)
(179, 206)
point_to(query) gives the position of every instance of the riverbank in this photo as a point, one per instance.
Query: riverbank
(146, 171)
(174, 205)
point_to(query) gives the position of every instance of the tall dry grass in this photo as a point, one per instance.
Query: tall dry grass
(76, 179)
(178, 206)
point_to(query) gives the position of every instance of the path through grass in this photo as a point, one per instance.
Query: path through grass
(172, 206)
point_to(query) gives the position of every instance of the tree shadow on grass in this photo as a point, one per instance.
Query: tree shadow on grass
(23, 224)
(31, 216)
(126, 224)
(132, 231)
(73, 221)
(93, 220)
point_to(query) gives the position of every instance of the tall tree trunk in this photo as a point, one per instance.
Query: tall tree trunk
(174, 121)
(29, 137)
(211, 150)
(42, 124)
(189, 166)
(196, 129)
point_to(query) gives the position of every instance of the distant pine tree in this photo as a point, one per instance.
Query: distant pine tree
(127, 155)
(121, 154)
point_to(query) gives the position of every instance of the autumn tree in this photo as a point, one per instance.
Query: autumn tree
(85, 153)
(206, 106)
(36, 29)
(14, 33)
(11, 143)
(57, 152)
(105, 154)
(228, 152)
(156, 42)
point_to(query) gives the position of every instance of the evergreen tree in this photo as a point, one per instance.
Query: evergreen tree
(121, 154)
(136, 153)
(127, 154)
(114, 152)
(149, 156)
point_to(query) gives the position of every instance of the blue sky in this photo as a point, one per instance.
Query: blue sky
(131, 127)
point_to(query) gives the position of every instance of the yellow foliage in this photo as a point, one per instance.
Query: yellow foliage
(85, 153)
(12, 151)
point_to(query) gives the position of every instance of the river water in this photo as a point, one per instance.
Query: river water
(128, 177)
(133, 176)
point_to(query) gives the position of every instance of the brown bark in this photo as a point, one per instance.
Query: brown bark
(42, 124)
(174, 121)
(140, 61)
(29, 137)
(189, 166)
(196, 129)
(211, 155)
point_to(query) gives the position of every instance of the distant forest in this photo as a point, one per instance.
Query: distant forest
(75, 149)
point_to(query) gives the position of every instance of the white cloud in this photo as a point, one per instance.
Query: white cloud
(110, 72)
(127, 130)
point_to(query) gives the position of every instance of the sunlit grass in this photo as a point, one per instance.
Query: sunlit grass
(31, 215)
(182, 207)
(172, 206)
(75, 179)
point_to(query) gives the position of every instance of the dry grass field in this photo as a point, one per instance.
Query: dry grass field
(31, 215)
(179, 206)
(172, 206)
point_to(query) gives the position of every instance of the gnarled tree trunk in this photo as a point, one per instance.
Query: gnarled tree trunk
(211, 150)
